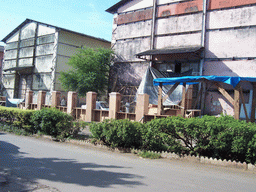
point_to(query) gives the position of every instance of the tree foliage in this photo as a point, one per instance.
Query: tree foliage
(89, 71)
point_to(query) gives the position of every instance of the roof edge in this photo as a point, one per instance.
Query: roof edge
(115, 7)
(59, 28)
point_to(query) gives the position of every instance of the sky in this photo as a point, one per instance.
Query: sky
(83, 16)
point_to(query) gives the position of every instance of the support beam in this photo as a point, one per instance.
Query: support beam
(224, 93)
(183, 99)
(160, 100)
(253, 103)
(170, 91)
(236, 102)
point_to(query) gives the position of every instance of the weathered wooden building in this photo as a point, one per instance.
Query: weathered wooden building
(208, 37)
(36, 53)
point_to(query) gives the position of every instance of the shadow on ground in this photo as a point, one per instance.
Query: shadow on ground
(63, 170)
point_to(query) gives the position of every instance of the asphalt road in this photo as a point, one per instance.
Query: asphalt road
(67, 167)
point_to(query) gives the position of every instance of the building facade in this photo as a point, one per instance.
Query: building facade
(206, 37)
(1, 61)
(36, 53)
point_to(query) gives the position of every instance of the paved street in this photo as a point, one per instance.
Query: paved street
(53, 166)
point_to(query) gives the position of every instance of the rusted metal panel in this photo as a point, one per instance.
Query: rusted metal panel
(25, 62)
(42, 81)
(126, 50)
(9, 64)
(44, 49)
(131, 30)
(178, 24)
(26, 52)
(243, 68)
(180, 8)
(28, 31)
(45, 39)
(27, 42)
(43, 64)
(45, 30)
(231, 43)
(10, 54)
(14, 37)
(135, 16)
(12, 45)
(232, 18)
(178, 40)
(218, 4)
(9, 81)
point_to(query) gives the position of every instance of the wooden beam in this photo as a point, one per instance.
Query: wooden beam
(160, 99)
(224, 93)
(253, 103)
(236, 102)
(203, 94)
(197, 98)
(170, 91)
(183, 99)
(243, 101)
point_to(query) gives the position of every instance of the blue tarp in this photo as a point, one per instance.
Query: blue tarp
(195, 79)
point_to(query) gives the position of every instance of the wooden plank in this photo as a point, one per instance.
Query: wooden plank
(183, 99)
(224, 93)
(253, 103)
(160, 100)
(170, 91)
(236, 102)
(243, 102)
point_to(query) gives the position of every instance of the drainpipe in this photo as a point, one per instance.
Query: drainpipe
(203, 86)
(152, 40)
(203, 34)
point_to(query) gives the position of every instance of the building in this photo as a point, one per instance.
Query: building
(1, 61)
(36, 53)
(205, 37)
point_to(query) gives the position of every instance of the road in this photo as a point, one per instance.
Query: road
(67, 167)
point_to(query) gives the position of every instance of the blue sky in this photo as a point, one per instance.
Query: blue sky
(84, 16)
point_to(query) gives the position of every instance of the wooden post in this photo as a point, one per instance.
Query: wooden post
(203, 87)
(114, 104)
(90, 106)
(55, 98)
(71, 102)
(29, 98)
(41, 99)
(253, 103)
(183, 99)
(142, 106)
(160, 99)
(236, 102)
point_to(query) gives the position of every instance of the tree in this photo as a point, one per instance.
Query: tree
(89, 72)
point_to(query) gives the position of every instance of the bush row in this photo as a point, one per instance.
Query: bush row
(218, 137)
(46, 121)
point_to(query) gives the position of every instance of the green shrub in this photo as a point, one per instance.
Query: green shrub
(53, 122)
(117, 133)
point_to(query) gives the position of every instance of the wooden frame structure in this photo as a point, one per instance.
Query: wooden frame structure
(238, 93)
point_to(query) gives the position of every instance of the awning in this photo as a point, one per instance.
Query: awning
(19, 68)
(195, 79)
(195, 50)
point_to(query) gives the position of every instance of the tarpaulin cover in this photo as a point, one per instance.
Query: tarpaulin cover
(146, 86)
(13, 102)
(195, 79)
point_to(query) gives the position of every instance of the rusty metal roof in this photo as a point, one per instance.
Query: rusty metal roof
(171, 50)
(58, 28)
(114, 8)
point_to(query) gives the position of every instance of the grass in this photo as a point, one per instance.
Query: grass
(149, 155)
